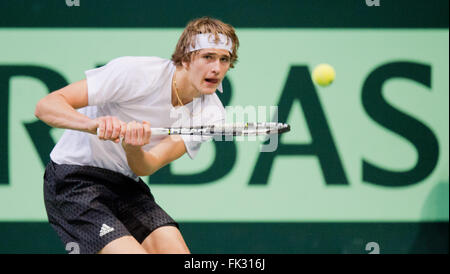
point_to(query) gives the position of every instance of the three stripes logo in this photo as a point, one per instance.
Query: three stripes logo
(105, 230)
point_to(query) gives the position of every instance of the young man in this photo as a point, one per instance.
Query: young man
(93, 195)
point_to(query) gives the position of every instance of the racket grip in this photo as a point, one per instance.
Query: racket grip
(160, 131)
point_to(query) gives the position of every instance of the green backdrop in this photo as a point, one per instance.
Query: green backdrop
(366, 159)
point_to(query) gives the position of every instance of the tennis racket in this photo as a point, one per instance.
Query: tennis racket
(234, 129)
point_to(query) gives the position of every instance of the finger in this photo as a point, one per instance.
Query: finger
(133, 133)
(123, 130)
(109, 128)
(101, 129)
(140, 134)
(116, 128)
(93, 126)
(147, 132)
(128, 134)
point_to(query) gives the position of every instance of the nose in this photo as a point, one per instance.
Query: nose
(215, 67)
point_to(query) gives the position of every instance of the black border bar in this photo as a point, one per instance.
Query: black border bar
(239, 13)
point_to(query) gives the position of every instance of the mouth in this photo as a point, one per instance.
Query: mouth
(212, 81)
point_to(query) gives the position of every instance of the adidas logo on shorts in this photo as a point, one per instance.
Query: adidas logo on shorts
(105, 230)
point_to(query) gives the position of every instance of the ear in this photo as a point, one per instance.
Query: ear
(187, 61)
(185, 64)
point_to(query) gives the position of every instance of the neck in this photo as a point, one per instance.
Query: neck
(181, 86)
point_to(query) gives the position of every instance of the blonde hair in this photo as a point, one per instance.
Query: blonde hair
(203, 25)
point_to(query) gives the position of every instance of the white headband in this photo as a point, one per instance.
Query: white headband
(206, 41)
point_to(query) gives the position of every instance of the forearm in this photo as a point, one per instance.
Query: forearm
(142, 163)
(56, 112)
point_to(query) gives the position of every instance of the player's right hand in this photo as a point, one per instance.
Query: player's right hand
(110, 128)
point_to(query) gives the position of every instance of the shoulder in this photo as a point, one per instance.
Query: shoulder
(136, 60)
(142, 63)
(213, 109)
(143, 68)
(214, 100)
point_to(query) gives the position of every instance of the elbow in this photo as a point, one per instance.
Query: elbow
(149, 172)
(139, 170)
(43, 106)
(38, 109)
(144, 170)
(142, 173)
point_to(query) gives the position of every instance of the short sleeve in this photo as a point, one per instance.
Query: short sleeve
(192, 147)
(112, 82)
(212, 113)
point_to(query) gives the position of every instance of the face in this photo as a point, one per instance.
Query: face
(207, 69)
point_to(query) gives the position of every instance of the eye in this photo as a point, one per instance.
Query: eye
(207, 57)
(225, 59)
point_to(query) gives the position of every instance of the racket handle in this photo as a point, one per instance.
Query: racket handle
(156, 131)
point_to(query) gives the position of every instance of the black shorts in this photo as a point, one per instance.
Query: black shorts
(90, 206)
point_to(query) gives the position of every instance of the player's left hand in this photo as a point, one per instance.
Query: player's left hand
(137, 135)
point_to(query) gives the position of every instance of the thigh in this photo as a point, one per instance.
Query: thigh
(123, 245)
(165, 240)
(141, 215)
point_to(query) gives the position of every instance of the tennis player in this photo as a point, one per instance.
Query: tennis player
(93, 194)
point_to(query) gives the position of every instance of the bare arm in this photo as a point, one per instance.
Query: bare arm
(58, 109)
(146, 163)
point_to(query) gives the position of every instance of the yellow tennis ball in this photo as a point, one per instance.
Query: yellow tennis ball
(323, 74)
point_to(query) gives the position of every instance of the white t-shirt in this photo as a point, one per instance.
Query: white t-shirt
(139, 89)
